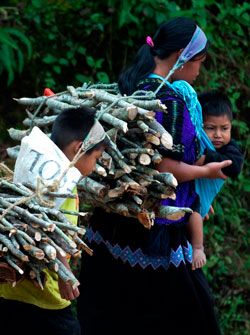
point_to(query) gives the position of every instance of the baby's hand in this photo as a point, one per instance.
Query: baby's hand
(199, 258)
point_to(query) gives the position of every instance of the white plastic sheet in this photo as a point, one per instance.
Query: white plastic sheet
(39, 157)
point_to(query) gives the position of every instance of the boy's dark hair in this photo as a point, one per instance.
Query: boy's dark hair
(215, 103)
(73, 124)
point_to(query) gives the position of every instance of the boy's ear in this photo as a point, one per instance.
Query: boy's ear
(77, 146)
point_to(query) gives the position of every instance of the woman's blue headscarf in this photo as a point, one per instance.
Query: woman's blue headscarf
(207, 189)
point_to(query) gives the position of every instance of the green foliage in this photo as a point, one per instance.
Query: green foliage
(81, 41)
(227, 238)
(12, 43)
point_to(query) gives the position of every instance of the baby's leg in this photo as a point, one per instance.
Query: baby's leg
(196, 230)
(199, 258)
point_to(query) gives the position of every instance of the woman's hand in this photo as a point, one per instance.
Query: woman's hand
(214, 169)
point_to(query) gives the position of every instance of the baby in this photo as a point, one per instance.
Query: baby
(217, 118)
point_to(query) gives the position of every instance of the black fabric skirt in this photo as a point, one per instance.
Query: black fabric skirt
(116, 298)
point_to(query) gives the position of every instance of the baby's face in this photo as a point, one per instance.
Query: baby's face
(218, 129)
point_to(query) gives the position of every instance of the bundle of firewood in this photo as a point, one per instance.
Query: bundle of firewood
(32, 235)
(125, 180)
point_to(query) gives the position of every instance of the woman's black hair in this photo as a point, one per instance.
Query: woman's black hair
(170, 37)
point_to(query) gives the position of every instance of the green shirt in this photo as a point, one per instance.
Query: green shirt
(26, 291)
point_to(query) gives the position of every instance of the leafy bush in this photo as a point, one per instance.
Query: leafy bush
(14, 46)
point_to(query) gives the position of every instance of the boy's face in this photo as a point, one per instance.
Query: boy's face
(86, 164)
(218, 129)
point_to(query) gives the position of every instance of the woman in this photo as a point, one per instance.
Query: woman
(140, 281)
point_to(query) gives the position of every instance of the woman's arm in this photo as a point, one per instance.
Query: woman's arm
(185, 172)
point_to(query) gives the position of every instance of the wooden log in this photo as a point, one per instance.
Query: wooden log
(166, 178)
(14, 242)
(49, 240)
(120, 208)
(58, 234)
(167, 190)
(115, 122)
(115, 100)
(56, 104)
(125, 113)
(105, 160)
(144, 159)
(152, 139)
(82, 245)
(118, 173)
(120, 162)
(16, 134)
(117, 191)
(72, 91)
(31, 101)
(157, 158)
(138, 151)
(69, 227)
(13, 152)
(112, 134)
(76, 101)
(137, 199)
(35, 233)
(149, 104)
(53, 266)
(40, 122)
(146, 170)
(12, 262)
(166, 138)
(172, 213)
(131, 182)
(89, 185)
(143, 126)
(25, 236)
(48, 249)
(100, 170)
(113, 87)
(36, 252)
(146, 218)
(19, 254)
(66, 274)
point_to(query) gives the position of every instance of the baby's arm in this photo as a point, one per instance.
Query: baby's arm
(230, 151)
(195, 227)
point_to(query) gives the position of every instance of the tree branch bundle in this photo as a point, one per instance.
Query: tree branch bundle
(125, 180)
(33, 236)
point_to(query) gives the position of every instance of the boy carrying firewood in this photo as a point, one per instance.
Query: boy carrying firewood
(49, 308)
